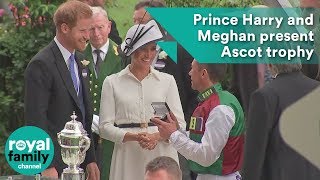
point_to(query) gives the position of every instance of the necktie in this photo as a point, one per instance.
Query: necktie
(73, 73)
(98, 62)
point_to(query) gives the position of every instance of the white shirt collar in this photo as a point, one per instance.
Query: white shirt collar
(104, 48)
(65, 53)
(153, 72)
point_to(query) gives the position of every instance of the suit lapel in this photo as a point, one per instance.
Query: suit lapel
(64, 72)
(88, 55)
(83, 73)
(84, 79)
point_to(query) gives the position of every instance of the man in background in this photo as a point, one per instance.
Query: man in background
(114, 33)
(103, 61)
(267, 156)
(163, 168)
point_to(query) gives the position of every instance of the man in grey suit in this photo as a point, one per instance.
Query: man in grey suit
(267, 156)
(56, 83)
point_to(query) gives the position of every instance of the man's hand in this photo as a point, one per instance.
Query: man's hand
(168, 127)
(93, 171)
(51, 172)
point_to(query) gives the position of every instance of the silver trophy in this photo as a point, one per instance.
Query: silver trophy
(74, 143)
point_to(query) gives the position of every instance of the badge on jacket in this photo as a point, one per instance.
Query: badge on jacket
(84, 73)
(196, 124)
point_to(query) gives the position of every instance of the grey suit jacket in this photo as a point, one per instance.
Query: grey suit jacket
(267, 156)
(50, 98)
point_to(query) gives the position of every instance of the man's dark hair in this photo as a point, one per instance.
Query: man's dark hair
(165, 163)
(149, 3)
(216, 72)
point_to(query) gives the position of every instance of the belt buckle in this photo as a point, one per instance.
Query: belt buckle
(143, 125)
(99, 140)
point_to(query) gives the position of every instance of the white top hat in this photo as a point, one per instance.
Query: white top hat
(139, 35)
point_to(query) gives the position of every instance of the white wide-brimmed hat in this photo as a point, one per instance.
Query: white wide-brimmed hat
(139, 35)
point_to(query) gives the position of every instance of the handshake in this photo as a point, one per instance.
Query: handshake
(165, 128)
(148, 140)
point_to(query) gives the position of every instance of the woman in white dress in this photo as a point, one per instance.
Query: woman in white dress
(126, 109)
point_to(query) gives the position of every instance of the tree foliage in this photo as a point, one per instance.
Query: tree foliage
(212, 3)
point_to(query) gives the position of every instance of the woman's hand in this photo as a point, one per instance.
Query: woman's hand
(131, 137)
(149, 141)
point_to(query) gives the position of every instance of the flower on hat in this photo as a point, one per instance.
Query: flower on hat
(115, 48)
(163, 55)
(139, 35)
(85, 62)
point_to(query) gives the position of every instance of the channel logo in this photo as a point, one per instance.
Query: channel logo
(29, 150)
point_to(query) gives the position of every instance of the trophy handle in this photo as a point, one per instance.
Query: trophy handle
(59, 139)
(84, 141)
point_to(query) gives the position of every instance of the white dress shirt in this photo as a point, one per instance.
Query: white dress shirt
(104, 50)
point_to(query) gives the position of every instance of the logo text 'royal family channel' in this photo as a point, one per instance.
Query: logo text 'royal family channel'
(29, 150)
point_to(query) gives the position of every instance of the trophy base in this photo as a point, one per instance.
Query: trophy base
(73, 174)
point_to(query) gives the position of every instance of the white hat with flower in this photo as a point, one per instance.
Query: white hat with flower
(139, 35)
